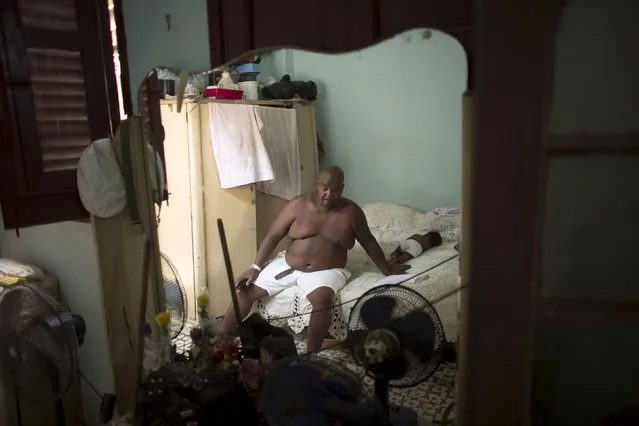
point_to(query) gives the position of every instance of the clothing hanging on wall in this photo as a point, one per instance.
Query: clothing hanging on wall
(279, 132)
(238, 147)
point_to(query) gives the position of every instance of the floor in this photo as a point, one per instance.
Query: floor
(183, 341)
(433, 400)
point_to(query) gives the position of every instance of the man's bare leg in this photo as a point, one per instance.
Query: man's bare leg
(322, 300)
(246, 296)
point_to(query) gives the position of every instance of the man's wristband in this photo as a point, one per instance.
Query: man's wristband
(256, 267)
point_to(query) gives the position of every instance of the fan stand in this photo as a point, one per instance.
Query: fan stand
(381, 392)
(60, 419)
(18, 409)
(397, 415)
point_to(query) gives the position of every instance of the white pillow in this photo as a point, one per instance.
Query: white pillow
(387, 216)
(394, 222)
(18, 269)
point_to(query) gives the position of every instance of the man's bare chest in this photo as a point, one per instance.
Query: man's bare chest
(324, 223)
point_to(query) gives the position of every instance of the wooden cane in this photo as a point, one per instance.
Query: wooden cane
(229, 271)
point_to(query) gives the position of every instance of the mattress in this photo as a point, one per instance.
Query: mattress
(390, 224)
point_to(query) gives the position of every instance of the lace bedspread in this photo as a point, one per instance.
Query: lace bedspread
(390, 224)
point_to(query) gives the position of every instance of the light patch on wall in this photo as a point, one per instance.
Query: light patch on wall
(390, 116)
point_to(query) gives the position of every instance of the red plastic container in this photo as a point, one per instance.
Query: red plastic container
(228, 94)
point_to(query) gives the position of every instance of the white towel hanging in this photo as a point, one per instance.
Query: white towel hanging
(238, 146)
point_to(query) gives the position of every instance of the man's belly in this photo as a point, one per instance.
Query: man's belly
(315, 254)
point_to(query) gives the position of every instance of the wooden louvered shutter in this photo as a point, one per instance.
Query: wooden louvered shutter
(58, 95)
(60, 74)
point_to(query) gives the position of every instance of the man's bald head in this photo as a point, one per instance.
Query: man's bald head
(330, 183)
(334, 174)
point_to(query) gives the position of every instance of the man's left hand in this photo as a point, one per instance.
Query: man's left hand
(399, 258)
(399, 269)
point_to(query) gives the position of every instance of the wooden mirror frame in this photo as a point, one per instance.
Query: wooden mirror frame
(509, 46)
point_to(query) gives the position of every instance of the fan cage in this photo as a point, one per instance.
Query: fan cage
(38, 350)
(408, 300)
(174, 296)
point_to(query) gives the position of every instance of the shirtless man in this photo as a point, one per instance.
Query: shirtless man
(322, 226)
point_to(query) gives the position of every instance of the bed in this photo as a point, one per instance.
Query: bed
(390, 224)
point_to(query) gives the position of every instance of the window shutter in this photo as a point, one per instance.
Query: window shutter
(56, 66)
(57, 54)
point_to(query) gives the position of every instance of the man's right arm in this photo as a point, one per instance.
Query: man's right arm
(278, 230)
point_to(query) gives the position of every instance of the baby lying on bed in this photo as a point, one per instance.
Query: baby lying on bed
(414, 246)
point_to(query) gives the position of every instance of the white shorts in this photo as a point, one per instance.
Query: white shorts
(334, 279)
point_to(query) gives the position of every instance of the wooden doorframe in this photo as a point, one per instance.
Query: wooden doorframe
(513, 80)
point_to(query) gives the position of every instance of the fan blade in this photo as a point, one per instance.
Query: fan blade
(392, 369)
(416, 333)
(377, 311)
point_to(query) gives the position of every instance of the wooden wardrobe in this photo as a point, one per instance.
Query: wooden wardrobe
(246, 212)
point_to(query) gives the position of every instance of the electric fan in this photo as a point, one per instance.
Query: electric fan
(174, 295)
(38, 347)
(396, 334)
(309, 391)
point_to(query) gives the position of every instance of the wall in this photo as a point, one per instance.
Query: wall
(66, 251)
(586, 369)
(151, 43)
(390, 116)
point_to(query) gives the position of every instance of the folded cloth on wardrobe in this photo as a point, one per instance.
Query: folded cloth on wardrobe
(238, 146)
(279, 132)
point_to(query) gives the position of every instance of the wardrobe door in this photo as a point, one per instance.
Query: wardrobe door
(307, 139)
(268, 207)
(175, 231)
(326, 25)
(236, 208)
(329, 26)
